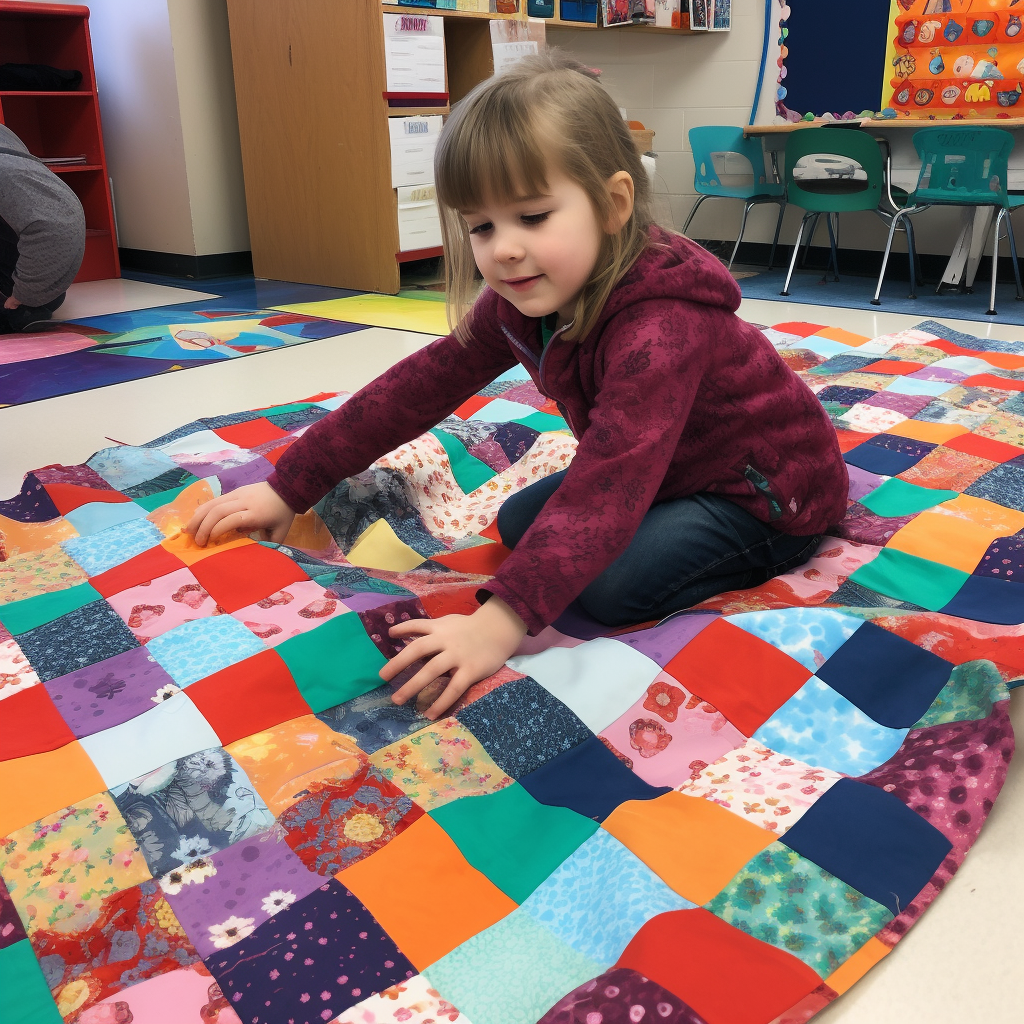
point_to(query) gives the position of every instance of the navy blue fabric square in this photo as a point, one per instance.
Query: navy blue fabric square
(887, 677)
(89, 634)
(904, 445)
(373, 720)
(1004, 559)
(523, 726)
(1003, 485)
(31, 505)
(843, 395)
(166, 481)
(879, 460)
(986, 599)
(590, 780)
(871, 840)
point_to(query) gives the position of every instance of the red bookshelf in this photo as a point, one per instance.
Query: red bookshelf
(62, 123)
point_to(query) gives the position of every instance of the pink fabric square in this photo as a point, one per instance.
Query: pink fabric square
(151, 609)
(669, 734)
(297, 609)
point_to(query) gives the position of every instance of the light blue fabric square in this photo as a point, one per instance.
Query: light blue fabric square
(600, 897)
(500, 410)
(202, 442)
(173, 728)
(808, 635)
(916, 386)
(820, 726)
(203, 646)
(827, 347)
(102, 551)
(330, 404)
(125, 466)
(517, 372)
(97, 516)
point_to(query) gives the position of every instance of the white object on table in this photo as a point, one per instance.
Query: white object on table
(419, 223)
(413, 141)
(414, 53)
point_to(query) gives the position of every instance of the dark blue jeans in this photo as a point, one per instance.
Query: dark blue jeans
(684, 552)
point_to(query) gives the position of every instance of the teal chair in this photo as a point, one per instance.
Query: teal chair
(721, 140)
(963, 166)
(840, 170)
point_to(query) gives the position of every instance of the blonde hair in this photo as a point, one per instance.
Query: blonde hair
(498, 145)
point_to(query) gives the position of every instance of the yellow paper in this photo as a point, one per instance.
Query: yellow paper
(378, 547)
(422, 315)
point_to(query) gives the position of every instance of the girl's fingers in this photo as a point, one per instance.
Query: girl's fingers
(412, 626)
(234, 521)
(437, 666)
(207, 517)
(460, 683)
(419, 648)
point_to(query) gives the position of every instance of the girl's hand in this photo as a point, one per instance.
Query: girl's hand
(469, 647)
(249, 508)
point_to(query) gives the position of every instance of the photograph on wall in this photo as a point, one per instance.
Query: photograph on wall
(719, 15)
(627, 12)
(699, 15)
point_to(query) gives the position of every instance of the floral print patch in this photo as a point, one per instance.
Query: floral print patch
(154, 608)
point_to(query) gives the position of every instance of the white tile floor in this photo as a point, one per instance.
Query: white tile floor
(94, 298)
(963, 962)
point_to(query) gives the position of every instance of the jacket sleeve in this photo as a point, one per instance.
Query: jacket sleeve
(401, 404)
(653, 362)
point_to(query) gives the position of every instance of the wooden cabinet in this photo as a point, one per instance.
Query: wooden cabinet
(62, 124)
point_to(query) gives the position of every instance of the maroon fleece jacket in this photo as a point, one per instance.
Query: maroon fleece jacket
(671, 394)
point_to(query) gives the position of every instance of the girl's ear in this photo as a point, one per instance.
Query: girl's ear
(620, 192)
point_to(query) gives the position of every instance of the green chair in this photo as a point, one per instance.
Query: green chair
(850, 177)
(963, 166)
(723, 140)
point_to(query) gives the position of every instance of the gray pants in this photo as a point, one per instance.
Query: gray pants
(12, 321)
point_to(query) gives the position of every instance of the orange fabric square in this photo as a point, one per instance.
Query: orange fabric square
(30, 724)
(185, 548)
(985, 447)
(483, 559)
(248, 697)
(692, 844)
(922, 430)
(148, 566)
(747, 679)
(252, 433)
(173, 517)
(844, 337)
(849, 439)
(40, 784)
(551, 408)
(428, 863)
(283, 762)
(946, 539)
(68, 497)
(472, 405)
(852, 970)
(690, 952)
(243, 576)
(896, 366)
(20, 538)
(990, 380)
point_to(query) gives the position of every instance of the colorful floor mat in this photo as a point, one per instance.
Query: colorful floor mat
(421, 311)
(212, 811)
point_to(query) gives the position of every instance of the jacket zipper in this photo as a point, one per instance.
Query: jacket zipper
(539, 363)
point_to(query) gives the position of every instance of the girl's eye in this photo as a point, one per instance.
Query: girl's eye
(534, 218)
(481, 229)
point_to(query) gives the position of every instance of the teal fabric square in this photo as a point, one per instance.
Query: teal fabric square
(544, 422)
(807, 635)
(469, 471)
(895, 497)
(787, 901)
(97, 516)
(26, 998)
(511, 973)
(600, 897)
(203, 646)
(820, 726)
(19, 617)
(102, 551)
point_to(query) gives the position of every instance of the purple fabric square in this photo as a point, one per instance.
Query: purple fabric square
(1004, 559)
(313, 960)
(908, 405)
(378, 621)
(862, 525)
(939, 373)
(862, 483)
(663, 642)
(80, 476)
(108, 693)
(254, 472)
(31, 505)
(250, 881)
(363, 601)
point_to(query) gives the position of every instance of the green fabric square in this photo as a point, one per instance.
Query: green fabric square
(151, 502)
(280, 410)
(512, 972)
(21, 616)
(544, 422)
(788, 901)
(26, 998)
(909, 578)
(972, 689)
(513, 839)
(334, 662)
(898, 498)
(469, 472)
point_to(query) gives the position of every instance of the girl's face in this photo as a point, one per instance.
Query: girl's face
(538, 251)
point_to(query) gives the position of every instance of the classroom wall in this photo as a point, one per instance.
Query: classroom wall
(673, 84)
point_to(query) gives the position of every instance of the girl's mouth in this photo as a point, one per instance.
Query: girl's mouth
(521, 284)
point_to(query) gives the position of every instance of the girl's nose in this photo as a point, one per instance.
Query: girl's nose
(507, 248)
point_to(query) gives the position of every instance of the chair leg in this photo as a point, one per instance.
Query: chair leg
(1013, 257)
(796, 250)
(743, 227)
(775, 240)
(912, 254)
(696, 207)
(893, 225)
(991, 311)
(833, 231)
(810, 238)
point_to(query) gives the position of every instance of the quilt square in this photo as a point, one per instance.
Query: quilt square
(98, 516)
(661, 643)
(30, 724)
(906, 577)
(718, 663)
(945, 537)
(296, 609)
(764, 980)
(125, 466)
(20, 616)
(102, 551)
(38, 572)
(1004, 485)
(251, 433)
(589, 779)
(203, 646)
(808, 635)
(865, 527)
(374, 721)
(907, 405)
(337, 823)
(947, 468)
(670, 733)
(985, 448)
(223, 897)
(316, 956)
(896, 497)
(69, 496)
(412, 1001)
(153, 563)
(428, 862)
(190, 808)
(1004, 559)
(987, 599)
(79, 638)
(16, 674)
(872, 841)
(11, 928)
(787, 901)
(31, 504)
(523, 726)
(882, 461)
(158, 606)
(496, 834)
(241, 576)
(26, 994)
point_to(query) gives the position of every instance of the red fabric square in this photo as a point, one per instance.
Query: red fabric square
(764, 981)
(983, 447)
(68, 497)
(483, 559)
(248, 697)
(1004, 360)
(251, 434)
(472, 405)
(31, 724)
(896, 366)
(451, 601)
(747, 679)
(849, 439)
(990, 380)
(150, 565)
(799, 328)
(551, 408)
(242, 576)
(275, 453)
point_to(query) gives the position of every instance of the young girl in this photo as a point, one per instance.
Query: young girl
(703, 465)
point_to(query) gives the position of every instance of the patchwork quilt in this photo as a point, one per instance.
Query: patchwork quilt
(211, 811)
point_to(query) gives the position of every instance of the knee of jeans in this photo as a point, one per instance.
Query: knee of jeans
(611, 603)
(510, 526)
